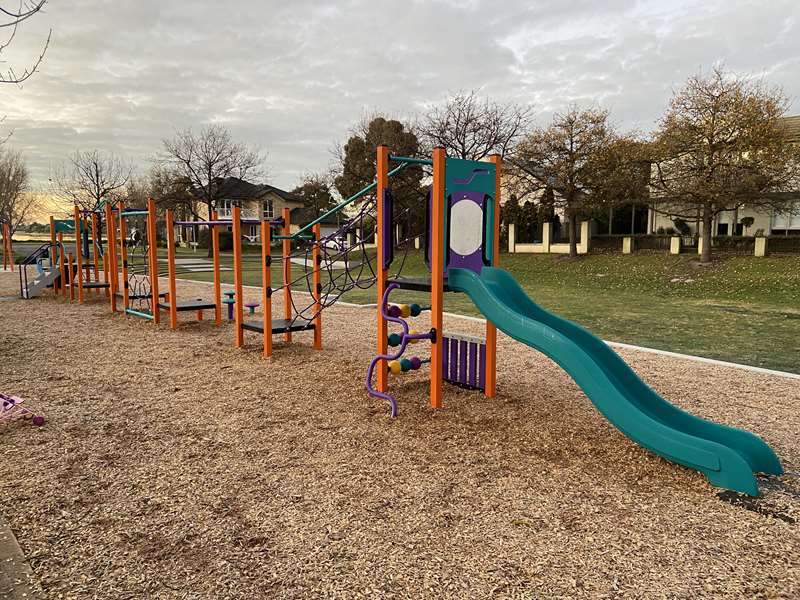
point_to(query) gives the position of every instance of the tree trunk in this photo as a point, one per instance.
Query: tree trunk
(573, 235)
(708, 217)
(735, 221)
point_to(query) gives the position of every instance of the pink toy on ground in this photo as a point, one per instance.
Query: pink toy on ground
(12, 410)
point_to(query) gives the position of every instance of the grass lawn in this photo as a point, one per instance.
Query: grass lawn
(740, 308)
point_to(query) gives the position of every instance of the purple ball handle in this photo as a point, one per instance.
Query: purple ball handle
(405, 339)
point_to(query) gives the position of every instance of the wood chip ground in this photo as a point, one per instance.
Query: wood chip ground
(175, 466)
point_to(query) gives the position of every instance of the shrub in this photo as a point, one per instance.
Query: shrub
(683, 227)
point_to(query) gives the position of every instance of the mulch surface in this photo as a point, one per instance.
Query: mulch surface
(173, 465)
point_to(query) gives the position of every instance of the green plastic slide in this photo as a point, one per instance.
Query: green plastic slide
(727, 456)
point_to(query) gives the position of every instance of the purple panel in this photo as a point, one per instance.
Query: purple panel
(445, 356)
(473, 363)
(387, 235)
(482, 372)
(463, 356)
(453, 360)
(474, 261)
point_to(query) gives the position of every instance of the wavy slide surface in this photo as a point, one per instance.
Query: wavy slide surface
(727, 456)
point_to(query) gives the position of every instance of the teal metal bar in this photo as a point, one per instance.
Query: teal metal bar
(136, 313)
(411, 161)
(344, 203)
(135, 213)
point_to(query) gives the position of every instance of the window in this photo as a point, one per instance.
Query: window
(268, 209)
(225, 209)
(255, 234)
(788, 220)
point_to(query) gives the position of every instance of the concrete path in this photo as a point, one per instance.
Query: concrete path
(16, 576)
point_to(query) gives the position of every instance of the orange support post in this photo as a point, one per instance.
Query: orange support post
(62, 271)
(491, 330)
(266, 289)
(111, 252)
(95, 258)
(217, 279)
(71, 279)
(53, 253)
(123, 255)
(78, 255)
(287, 270)
(152, 245)
(437, 273)
(173, 296)
(382, 165)
(106, 267)
(316, 258)
(238, 307)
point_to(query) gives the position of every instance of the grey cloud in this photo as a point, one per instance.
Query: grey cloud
(292, 77)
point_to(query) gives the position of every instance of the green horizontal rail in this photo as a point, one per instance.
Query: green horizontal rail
(136, 313)
(135, 213)
(345, 203)
(411, 161)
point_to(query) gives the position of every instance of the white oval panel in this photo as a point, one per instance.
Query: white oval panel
(466, 227)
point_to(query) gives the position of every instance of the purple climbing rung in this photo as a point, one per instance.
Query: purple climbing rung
(482, 369)
(473, 363)
(453, 360)
(463, 356)
(464, 360)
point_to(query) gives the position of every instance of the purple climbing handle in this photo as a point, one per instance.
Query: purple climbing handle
(405, 339)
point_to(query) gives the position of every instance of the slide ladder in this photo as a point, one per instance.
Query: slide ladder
(728, 457)
(47, 271)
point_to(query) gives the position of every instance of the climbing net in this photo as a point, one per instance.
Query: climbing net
(348, 260)
(140, 289)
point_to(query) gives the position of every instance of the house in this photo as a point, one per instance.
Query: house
(257, 201)
(730, 222)
(303, 216)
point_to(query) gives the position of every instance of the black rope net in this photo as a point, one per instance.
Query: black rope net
(348, 260)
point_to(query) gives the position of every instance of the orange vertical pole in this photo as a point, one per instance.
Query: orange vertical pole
(95, 259)
(287, 270)
(78, 255)
(152, 245)
(437, 272)
(106, 267)
(316, 258)
(217, 277)
(491, 330)
(266, 283)
(53, 253)
(173, 296)
(71, 280)
(123, 255)
(111, 252)
(382, 166)
(237, 276)
(62, 272)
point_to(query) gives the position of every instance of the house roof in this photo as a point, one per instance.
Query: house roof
(233, 188)
(792, 125)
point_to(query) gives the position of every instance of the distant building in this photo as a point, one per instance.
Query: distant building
(730, 222)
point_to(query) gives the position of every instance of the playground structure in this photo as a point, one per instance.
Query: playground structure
(462, 254)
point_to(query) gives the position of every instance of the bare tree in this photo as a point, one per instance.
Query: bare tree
(472, 128)
(10, 20)
(204, 160)
(15, 201)
(720, 145)
(584, 162)
(91, 176)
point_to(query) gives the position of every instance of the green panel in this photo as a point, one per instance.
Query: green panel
(480, 177)
(65, 225)
(727, 456)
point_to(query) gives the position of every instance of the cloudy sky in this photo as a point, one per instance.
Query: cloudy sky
(293, 76)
